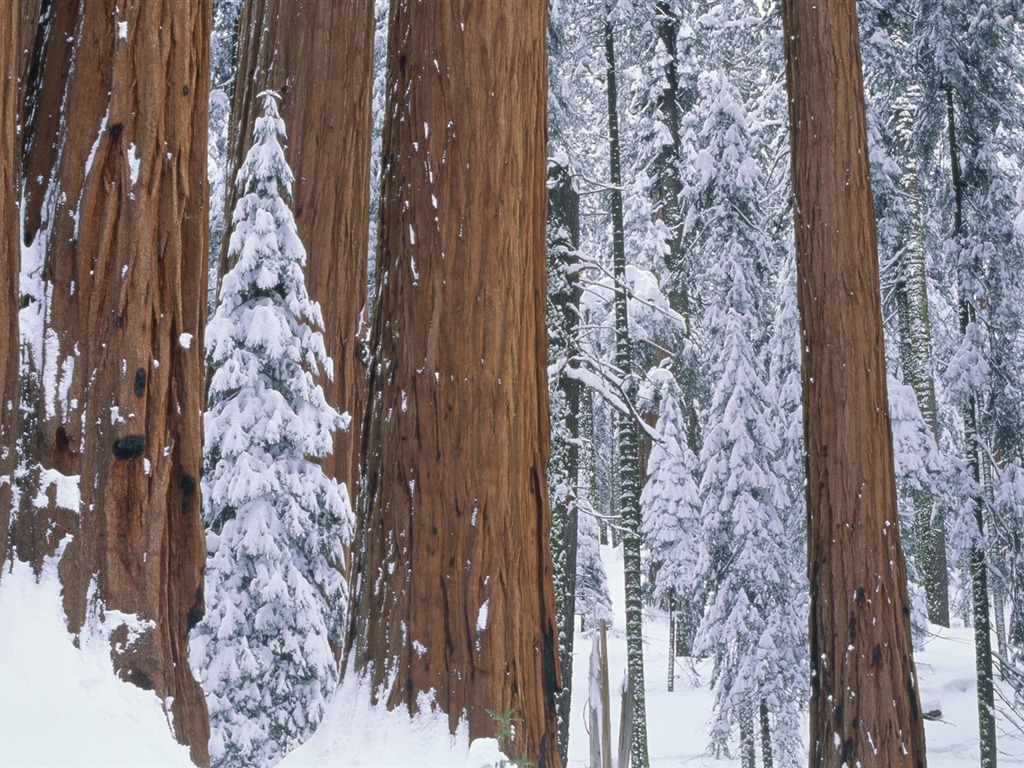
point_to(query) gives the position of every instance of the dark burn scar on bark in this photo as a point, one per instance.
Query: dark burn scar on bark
(130, 447)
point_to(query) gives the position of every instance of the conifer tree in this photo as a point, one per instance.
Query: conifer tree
(671, 507)
(113, 133)
(969, 71)
(891, 114)
(453, 601)
(627, 438)
(745, 564)
(865, 706)
(276, 523)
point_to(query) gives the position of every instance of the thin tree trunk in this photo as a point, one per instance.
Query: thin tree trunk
(865, 707)
(10, 259)
(748, 756)
(319, 57)
(668, 184)
(115, 209)
(454, 596)
(915, 349)
(972, 438)
(766, 736)
(672, 630)
(629, 486)
(564, 296)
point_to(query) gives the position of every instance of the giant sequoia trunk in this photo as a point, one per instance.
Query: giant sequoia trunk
(319, 57)
(115, 222)
(453, 602)
(10, 259)
(865, 708)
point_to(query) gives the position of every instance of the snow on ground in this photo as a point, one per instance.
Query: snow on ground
(356, 735)
(678, 722)
(61, 706)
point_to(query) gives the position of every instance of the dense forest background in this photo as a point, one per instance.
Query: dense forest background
(259, 412)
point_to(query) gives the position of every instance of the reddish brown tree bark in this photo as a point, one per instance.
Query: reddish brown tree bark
(454, 590)
(865, 708)
(319, 57)
(115, 213)
(10, 259)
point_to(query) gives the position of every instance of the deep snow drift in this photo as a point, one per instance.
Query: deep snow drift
(61, 706)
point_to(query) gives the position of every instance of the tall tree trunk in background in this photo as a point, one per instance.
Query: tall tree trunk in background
(629, 469)
(10, 259)
(319, 57)
(116, 229)
(564, 294)
(453, 596)
(972, 439)
(915, 350)
(865, 707)
(668, 185)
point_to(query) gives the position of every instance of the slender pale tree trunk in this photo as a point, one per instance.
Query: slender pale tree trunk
(319, 57)
(454, 600)
(865, 706)
(915, 349)
(972, 439)
(915, 356)
(10, 259)
(629, 467)
(115, 212)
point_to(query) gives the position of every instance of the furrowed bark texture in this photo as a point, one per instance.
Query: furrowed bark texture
(10, 259)
(115, 208)
(454, 588)
(319, 57)
(864, 698)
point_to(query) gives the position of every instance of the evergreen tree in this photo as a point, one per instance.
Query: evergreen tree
(904, 257)
(276, 524)
(746, 559)
(969, 68)
(671, 509)
(787, 686)
(113, 215)
(863, 680)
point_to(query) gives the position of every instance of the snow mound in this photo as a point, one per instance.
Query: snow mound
(64, 706)
(355, 734)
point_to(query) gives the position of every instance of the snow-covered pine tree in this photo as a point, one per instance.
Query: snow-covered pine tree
(969, 69)
(904, 257)
(276, 523)
(786, 659)
(671, 509)
(746, 559)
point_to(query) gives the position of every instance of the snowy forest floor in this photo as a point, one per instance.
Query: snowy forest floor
(678, 722)
(62, 706)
